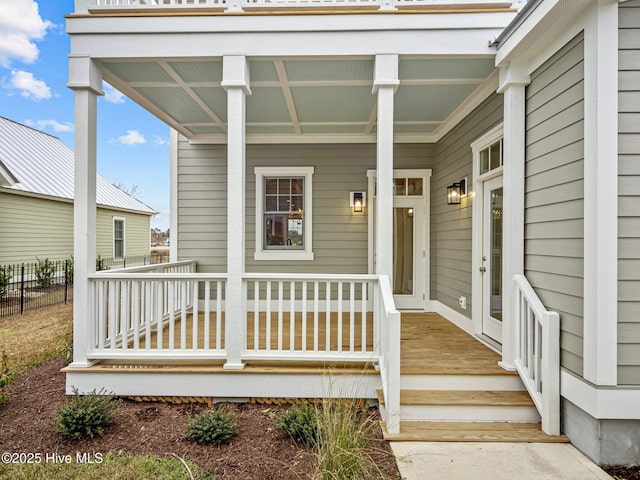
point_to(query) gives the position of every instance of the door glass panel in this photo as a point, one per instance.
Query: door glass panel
(496, 254)
(400, 186)
(403, 251)
(414, 186)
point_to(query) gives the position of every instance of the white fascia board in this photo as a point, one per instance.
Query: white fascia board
(465, 42)
(603, 403)
(550, 19)
(286, 23)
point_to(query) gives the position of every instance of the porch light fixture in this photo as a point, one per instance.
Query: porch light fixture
(357, 201)
(456, 191)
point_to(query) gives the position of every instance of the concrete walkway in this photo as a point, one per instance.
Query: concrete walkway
(493, 461)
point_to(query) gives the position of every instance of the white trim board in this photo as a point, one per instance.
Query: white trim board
(601, 403)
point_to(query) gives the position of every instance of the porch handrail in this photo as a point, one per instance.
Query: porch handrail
(186, 266)
(389, 324)
(538, 353)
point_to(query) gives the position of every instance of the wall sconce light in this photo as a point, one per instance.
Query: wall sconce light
(456, 191)
(357, 201)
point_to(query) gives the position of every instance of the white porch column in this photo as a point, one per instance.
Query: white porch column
(385, 84)
(601, 195)
(236, 82)
(85, 79)
(513, 80)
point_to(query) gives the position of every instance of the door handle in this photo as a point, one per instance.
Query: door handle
(483, 269)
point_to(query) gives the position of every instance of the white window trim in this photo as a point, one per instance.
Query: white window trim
(124, 236)
(295, 255)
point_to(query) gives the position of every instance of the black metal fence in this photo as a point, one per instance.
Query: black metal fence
(45, 282)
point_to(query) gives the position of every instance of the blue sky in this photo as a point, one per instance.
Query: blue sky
(133, 146)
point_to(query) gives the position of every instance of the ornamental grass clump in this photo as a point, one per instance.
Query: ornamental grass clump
(86, 415)
(301, 423)
(214, 427)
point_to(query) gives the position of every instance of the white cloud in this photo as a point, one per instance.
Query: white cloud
(20, 26)
(159, 141)
(133, 137)
(112, 95)
(53, 124)
(28, 85)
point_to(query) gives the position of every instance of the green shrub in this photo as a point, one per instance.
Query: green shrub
(5, 278)
(301, 423)
(68, 270)
(100, 264)
(215, 427)
(6, 376)
(45, 270)
(85, 415)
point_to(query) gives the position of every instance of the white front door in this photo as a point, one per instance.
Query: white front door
(491, 264)
(410, 237)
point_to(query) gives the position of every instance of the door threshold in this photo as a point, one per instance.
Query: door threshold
(490, 342)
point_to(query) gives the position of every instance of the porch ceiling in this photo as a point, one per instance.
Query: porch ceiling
(299, 97)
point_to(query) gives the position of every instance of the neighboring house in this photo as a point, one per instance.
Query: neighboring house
(472, 161)
(36, 202)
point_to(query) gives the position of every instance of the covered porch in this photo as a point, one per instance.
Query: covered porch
(260, 297)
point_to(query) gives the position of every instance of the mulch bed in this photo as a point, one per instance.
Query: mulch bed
(259, 451)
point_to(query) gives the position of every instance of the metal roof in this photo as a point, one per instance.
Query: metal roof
(40, 163)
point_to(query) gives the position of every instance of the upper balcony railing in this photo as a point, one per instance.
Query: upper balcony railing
(97, 6)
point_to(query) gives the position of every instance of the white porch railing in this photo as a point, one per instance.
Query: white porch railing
(538, 353)
(158, 312)
(389, 325)
(83, 6)
(169, 312)
(310, 317)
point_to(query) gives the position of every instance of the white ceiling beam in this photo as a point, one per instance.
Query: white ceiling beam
(195, 97)
(288, 97)
(113, 79)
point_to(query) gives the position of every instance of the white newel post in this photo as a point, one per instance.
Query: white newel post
(385, 85)
(513, 80)
(85, 79)
(236, 82)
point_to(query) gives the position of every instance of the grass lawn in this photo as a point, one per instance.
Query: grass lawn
(122, 467)
(35, 337)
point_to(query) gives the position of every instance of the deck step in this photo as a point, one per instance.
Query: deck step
(461, 398)
(471, 432)
(461, 382)
(465, 406)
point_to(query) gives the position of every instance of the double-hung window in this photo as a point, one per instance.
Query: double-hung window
(118, 237)
(283, 213)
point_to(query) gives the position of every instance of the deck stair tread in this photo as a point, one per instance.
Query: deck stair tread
(472, 432)
(463, 398)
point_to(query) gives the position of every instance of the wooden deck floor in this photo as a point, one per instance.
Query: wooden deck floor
(432, 345)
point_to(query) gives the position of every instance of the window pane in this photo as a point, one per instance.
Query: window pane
(295, 237)
(400, 186)
(297, 204)
(414, 186)
(495, 155)
(271, 204)
(484, 161)
(275, 226)
(283, 203)
(271, 186)
(284, 184)
(284, 232)
(297, 185)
